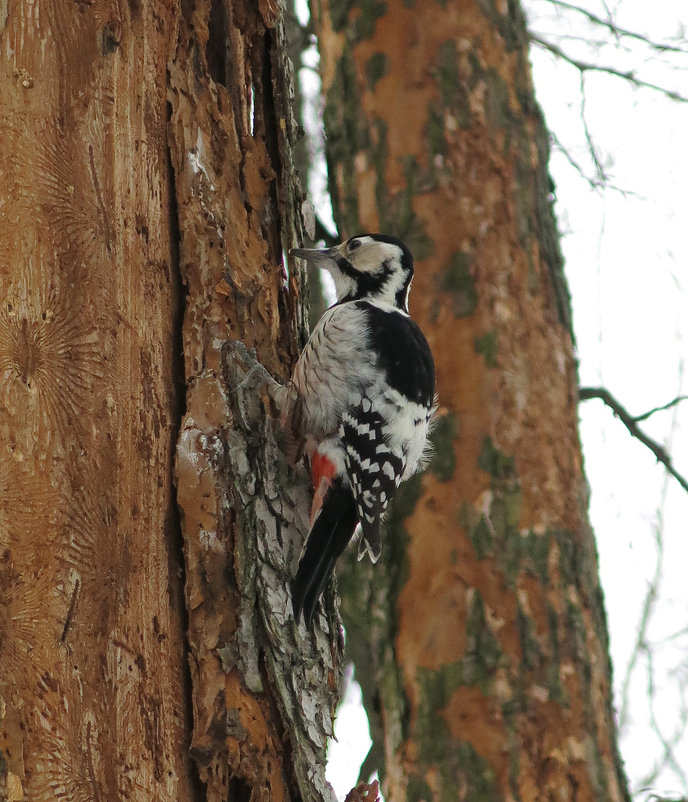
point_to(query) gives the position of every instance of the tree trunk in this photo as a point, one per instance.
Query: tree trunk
(92, 660)
(147, 197)
(481, 640)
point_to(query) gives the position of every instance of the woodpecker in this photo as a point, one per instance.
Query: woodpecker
(365, 382)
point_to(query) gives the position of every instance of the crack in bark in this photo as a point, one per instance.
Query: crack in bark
(70, 611)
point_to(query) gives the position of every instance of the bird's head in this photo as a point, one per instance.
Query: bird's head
(373, 267)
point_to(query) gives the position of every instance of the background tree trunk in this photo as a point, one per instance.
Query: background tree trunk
(484, 663)
(147, 196)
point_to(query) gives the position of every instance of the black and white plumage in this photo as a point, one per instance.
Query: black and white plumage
(366, 386)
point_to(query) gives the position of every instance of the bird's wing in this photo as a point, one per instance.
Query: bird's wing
(373, 467)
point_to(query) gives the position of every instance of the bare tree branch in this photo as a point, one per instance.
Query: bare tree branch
(599, 167)
(644, 645)
(673, 636)
(651, 412)
(610, 25)
(641, 643)
(668, 757)
(586, 393)
(594, 183)
(588, 66)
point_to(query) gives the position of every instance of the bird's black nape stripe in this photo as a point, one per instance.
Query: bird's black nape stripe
(368, 285)
(400, 299)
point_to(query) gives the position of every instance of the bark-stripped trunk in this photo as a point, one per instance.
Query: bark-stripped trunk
(146, 198)
(484, 661)
(91, 623)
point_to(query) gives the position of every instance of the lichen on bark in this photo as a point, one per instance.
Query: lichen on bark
(485, 609)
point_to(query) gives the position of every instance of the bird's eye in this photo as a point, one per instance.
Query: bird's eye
(355, 243)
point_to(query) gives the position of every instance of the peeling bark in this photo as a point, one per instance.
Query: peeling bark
(266, 689)
(264, 692)
(480, 640)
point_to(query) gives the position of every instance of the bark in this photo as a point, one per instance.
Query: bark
(147, 197)
(91, 622)
(264, 690)
(480, 640)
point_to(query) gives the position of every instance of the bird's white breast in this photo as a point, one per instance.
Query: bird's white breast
(333, 367)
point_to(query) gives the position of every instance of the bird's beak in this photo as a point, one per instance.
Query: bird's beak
(315, 256)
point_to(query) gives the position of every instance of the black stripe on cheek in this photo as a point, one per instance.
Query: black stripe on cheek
(401, 296)
(346, 267)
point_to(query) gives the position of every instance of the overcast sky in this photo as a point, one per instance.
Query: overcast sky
(626, 250)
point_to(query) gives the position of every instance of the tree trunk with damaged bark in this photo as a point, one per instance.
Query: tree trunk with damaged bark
(92, 673)
(147, 197)
(480, 640)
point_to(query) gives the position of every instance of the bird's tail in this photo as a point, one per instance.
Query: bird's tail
(370, 542)
(330, 533)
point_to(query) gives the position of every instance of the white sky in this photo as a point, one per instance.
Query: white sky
(626, 262)
(626, 252)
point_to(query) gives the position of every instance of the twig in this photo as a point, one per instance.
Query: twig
(594, 183)
(641, 642)
(661, 47)
(651, 412)
(599, 167)
(588, 66)
(585, 393)
(668, 759)
(680, 633)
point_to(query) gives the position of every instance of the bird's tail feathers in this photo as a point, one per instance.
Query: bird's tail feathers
(370, 542)
(330, 533)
